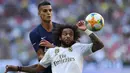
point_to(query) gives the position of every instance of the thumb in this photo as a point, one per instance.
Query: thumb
(6, 69)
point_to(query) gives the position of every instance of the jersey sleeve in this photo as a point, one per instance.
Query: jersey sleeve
(85, 49)
(46, 60)
(35, 40)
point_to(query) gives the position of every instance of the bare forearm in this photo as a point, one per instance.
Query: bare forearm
(28, 69)
(40, 54)
(36, 69)
(33, 66)
(97, 43)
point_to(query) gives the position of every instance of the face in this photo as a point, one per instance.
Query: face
(67, 37)
(45, 12)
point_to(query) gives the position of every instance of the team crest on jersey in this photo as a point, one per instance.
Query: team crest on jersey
(56, 51)
(70, 49)
(43, 38)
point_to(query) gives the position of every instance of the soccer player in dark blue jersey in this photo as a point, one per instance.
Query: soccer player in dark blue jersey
(41, 36)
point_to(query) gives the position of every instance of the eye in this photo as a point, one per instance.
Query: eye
(44, 10)
(50, 10)
(70, 34)
(64, 34)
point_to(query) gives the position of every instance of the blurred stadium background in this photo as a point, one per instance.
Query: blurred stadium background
(19, 17)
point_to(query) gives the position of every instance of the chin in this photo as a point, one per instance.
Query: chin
(48, 21)
(67, 44)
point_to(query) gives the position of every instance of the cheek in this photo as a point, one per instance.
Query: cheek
(42, 16)
(51, 13)
(62, 37)
(72, 38)
(42, 13)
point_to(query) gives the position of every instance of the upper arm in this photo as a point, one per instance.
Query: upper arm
(35, 40)
(97, 43)
(40, 68)
(46, 60)
(40, 53)
(85, 49)
(97, 47)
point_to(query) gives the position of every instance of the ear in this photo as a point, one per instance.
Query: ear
(38, 12)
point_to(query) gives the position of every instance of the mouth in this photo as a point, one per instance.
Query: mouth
(67, 41)
(48, 16)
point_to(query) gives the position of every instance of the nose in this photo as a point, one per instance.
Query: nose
(48, 12)
(67, 35)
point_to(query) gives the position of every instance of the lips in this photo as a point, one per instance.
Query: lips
(67, 41)
(48, 16)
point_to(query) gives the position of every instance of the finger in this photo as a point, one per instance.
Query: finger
(42, 43)
(83, 22)
(43, 40)
(6, 69)
(78, 24)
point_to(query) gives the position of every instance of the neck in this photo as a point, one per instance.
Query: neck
(47, 26)
(66, 46)
(63, 44)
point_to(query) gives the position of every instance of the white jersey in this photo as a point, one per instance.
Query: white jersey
(66, 60)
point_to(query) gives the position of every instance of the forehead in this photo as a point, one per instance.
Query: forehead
(45, 7)
(66, 30)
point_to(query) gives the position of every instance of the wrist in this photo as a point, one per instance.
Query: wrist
(19, 68)
(53, 46)
(41, 46)
(88, 32)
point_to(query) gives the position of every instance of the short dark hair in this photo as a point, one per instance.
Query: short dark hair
(58, 31)
(43, 3)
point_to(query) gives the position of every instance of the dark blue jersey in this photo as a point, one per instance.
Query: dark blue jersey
(39, 33)
(36, 35)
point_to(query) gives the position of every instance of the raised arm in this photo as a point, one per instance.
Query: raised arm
(97, 43)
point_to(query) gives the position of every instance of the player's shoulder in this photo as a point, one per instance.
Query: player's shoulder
(35, 30)
(77, 44)
(52, 51)
(55, 24)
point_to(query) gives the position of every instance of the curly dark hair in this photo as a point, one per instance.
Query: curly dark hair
(57, 31)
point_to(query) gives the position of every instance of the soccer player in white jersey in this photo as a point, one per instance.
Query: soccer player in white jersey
(67, 56)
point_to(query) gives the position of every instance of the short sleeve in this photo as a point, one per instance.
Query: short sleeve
(35, 40)
(46, 60)
(85, 49)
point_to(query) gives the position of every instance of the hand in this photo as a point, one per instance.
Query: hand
(46, 44)
(81, 25)
(11, 68)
